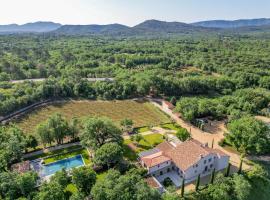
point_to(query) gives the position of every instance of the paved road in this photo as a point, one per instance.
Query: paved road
(43, 79)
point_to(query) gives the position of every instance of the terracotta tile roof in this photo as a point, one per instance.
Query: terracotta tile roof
(152, 182)
(165, 147)
(218, 152)
(187, 153)
(155, 159)
(184, 155)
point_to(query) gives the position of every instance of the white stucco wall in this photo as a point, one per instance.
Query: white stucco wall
(222, 162)
(193, 171)
(160, 167)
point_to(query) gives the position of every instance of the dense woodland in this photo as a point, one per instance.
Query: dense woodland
(218, 77)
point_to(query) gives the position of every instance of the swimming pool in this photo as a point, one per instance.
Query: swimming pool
(66, 164)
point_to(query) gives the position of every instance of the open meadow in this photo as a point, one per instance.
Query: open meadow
(141, 112)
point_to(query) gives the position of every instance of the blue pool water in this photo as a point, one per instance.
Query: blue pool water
(67, 164)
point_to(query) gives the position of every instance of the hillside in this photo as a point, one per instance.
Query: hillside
(30, 27)
(233, 24)
(92, 29)
(146, 28)
(155, 26)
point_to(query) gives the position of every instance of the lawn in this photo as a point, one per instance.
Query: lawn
(171, 126)
(149, 142)
(82, 152)
(142, 129)
(142, 113)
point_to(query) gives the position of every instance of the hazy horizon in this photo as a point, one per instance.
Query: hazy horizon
(129, 13)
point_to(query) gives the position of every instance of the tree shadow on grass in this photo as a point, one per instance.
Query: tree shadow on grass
(129, 153)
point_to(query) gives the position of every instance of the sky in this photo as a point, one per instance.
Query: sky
(129, 12)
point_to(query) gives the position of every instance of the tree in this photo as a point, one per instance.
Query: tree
(50, 191)
(137, 138)
(183, 188)
(130, 186)
(44, 134)
(77, 196)
(182, 134)
(9, 188)
(74, 128)
(31, 142)
(98, 131)
(84, 178)
(62, 178)
(249, 135)
(12, 145)
(198, 183)
(240, 166)
(58, 126)
(108, 154)
(27, 182)
(127, 125)
(228, 170)
(170, 196)
(242, 187)
(213, 176)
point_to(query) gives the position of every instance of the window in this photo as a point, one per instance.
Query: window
(196, 165)
(161, 173)
(158, 166)
(210, 159)
(211, 165)
(168, 170)
(204, 161)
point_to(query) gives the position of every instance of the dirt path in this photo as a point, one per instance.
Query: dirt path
(217, 133)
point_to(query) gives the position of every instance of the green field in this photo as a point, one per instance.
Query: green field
(142, 113)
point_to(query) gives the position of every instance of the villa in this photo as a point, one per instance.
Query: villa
(185, 160)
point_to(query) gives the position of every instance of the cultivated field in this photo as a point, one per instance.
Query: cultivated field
(142, 113)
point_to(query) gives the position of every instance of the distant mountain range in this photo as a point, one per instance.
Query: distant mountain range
(148, 27)
(37, 27)
(233, 24)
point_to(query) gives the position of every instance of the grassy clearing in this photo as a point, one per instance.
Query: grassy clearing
(171, 126)
(56, 152)
(147, 143)
(142, 113)
(142, 129)
(82, 152)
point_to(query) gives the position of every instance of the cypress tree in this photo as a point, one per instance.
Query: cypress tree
(228, 170)
(183, 188)
(213, 176)
(240, 166)
(213, 143)
(198, 183)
